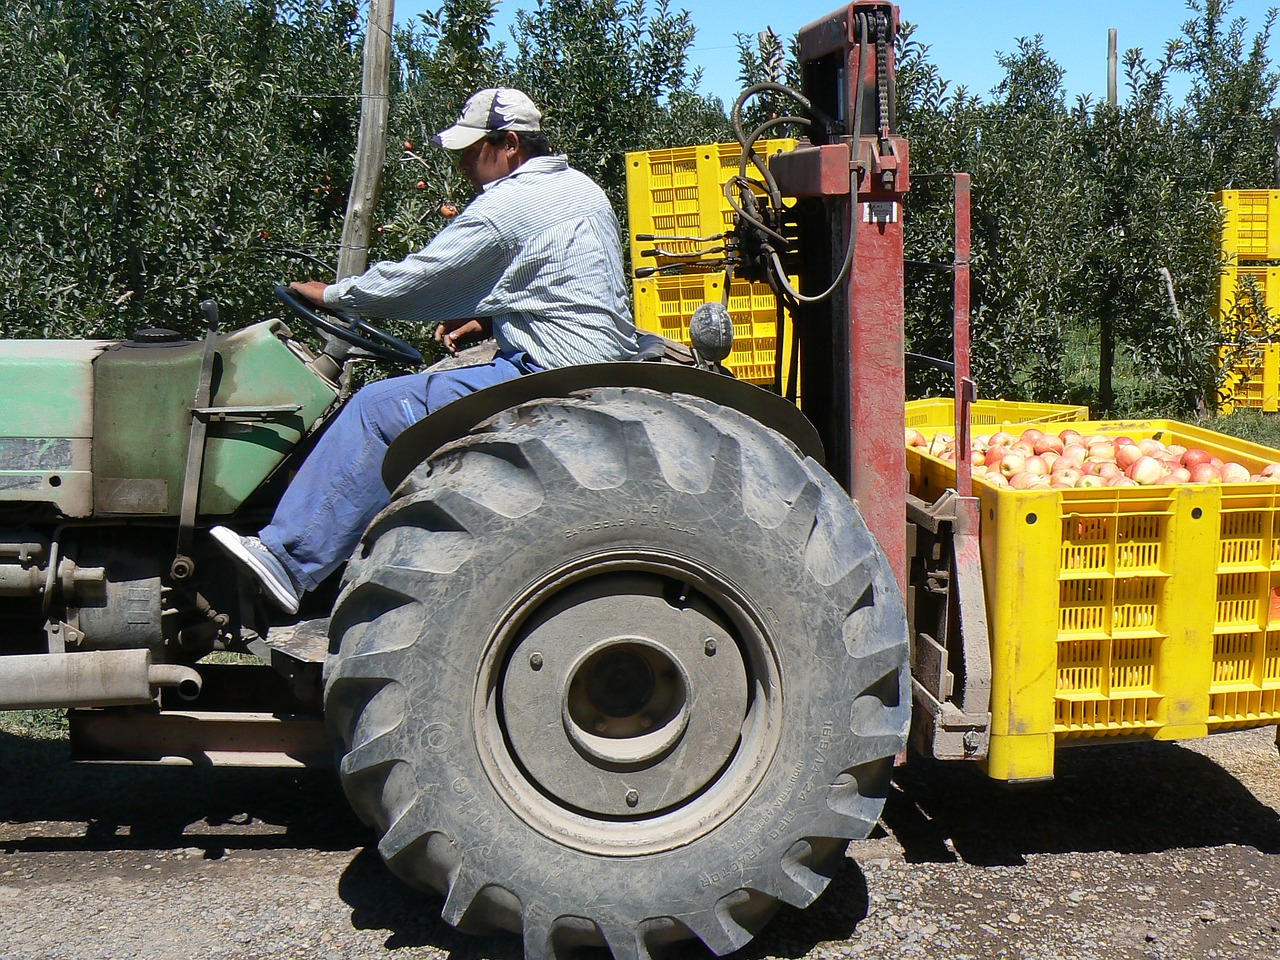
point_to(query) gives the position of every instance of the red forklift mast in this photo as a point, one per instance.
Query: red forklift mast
(849, 186)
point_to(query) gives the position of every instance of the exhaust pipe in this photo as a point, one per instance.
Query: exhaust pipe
(99, 678)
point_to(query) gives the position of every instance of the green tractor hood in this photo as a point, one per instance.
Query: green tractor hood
(101, 428)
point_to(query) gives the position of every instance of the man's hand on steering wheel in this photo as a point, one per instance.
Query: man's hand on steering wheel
(346, 334)
(311, 291)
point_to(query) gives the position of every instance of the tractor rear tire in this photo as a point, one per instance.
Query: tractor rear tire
(618, 670)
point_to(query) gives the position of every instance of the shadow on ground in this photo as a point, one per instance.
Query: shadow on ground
(1126, 798)
(1129, 799)
(138, 807)
(378, 900)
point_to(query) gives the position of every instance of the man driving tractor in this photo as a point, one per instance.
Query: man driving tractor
(535, 261)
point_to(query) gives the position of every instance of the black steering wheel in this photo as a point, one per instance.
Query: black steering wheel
(366, 339)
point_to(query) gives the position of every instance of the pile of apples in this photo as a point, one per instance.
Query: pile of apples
(1037, 460)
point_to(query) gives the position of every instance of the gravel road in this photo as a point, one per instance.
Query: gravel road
(1163, 851)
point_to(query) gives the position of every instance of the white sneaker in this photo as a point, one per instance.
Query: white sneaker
(253, 555)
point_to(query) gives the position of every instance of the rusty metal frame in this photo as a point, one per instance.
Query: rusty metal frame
(858, 173)
(947, 609)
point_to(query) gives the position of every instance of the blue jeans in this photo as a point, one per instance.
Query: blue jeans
(339, 489)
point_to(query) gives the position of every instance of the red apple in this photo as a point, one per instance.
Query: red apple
(1050, 444)
(1146, 471)
(1028, 481)
(1205, 472)
(1036, 466)
(1127, 454)
(1012, 463)
(1066, 463)
(1103, 448)
(1235, 473)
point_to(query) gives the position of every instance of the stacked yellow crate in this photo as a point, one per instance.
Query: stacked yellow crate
(1250, 239)
(679, 192)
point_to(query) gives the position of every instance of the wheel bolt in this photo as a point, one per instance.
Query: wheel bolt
(646, 721)
(709, 648)
(633, 797)
(600, 726)
(535, 661)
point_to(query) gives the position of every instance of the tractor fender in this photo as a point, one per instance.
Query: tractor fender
(456, 420)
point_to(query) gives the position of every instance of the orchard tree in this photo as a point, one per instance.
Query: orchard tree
(1233, 89)
(442, 59)
(1019, 151)
(762, 58)
(1150, 230)
(613, 76)
(162, 151)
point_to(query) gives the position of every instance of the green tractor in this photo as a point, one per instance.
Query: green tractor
(620, 665)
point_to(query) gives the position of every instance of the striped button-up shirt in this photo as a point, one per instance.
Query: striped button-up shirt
(538, 251)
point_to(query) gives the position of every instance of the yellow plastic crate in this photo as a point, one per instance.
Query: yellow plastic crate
(679, 191)
(1251, 322)
(665, 304)
(1126, 611)
(1254, 379)
(1251, 229)
(940, 412)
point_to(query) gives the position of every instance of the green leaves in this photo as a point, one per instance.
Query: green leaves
(162, 153)
(1085, 217)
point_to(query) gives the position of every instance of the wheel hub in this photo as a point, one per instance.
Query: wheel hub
(624, 723)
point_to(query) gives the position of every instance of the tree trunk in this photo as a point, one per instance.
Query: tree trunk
(371, 144)
(1107, 352)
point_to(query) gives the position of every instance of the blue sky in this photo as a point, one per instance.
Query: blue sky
(964, 36)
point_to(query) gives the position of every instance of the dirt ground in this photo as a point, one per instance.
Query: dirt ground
(1164, 851)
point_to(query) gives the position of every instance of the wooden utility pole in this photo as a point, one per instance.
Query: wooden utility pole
(1107, 314)
(371, 143)
(1113, 66)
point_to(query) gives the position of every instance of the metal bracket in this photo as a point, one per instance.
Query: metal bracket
(951, 654)
(62, 635)
(183, 566)
(263, 414)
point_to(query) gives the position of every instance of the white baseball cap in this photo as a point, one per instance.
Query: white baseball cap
(490, 110)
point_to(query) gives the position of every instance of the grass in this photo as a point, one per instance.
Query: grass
(1132, 393)
(1252, 425)
(34, 724)
(51, 724)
